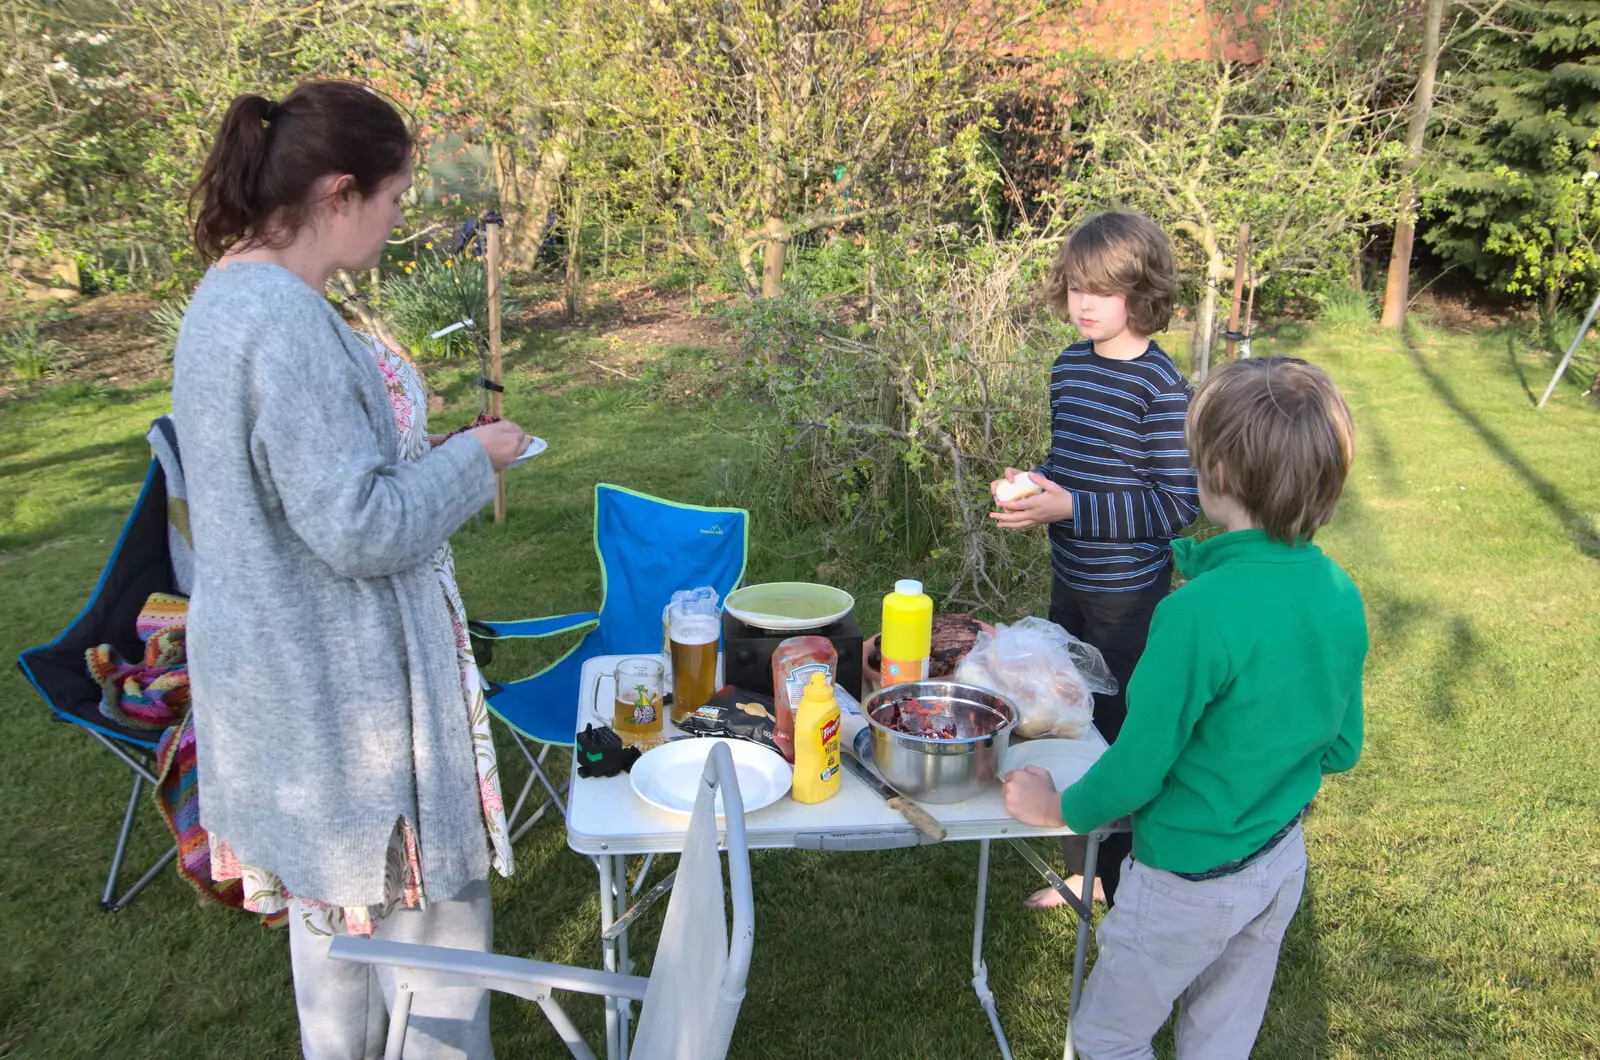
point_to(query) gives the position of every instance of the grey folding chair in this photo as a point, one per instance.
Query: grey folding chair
(692, 996)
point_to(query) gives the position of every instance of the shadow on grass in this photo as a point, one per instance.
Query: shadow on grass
(1284, 339)
(60, 401)
(120, 477)
(1580, 528)
(1456, 664)
(1375, 439)
(128, 451)
(1516, 367)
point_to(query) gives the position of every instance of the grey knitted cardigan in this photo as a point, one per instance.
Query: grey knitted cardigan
(327, 699)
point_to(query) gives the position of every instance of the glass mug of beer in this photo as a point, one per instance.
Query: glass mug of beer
(693, 640)
(636, 713)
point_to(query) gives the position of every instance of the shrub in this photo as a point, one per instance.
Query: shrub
(28, 355)
(837, 266)
(435, 291)
(890, 435)
(1345, 308)
(165, 319)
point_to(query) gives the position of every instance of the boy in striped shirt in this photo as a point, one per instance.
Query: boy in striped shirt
(1118, 484)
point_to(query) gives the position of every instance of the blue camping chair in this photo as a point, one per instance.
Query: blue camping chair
(140, 564)
(649, 548)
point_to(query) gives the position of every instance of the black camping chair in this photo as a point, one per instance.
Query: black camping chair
(140, 564)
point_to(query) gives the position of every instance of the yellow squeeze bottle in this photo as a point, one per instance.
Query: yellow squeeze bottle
(907, 633)
(816, 742)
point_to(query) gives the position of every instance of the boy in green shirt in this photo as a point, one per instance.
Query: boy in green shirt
(1248, 693)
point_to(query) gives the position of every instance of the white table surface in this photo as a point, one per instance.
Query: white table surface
(606, 817)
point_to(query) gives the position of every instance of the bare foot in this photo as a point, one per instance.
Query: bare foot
(1050, 898)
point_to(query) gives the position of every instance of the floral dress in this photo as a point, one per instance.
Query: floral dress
(264, 892)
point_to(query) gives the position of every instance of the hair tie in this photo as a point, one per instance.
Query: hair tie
(272, 111)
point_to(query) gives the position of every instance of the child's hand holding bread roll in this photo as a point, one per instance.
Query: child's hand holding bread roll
(1028, 499)
(1014, 487)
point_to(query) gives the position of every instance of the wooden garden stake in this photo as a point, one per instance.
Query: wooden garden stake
(496, 404)
(574, 279)
(1240, 258)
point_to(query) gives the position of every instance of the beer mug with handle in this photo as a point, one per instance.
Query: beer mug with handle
(636, 713)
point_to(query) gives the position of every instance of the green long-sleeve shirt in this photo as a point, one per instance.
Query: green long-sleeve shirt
(1249, 691)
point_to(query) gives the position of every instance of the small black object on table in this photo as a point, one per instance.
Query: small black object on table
(601, 754)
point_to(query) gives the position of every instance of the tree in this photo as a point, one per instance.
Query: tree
(115, 102)
(520, 74)
(43, 130)
(770, 120)
(1397, 289)
(1553, 251)
(1516, 144)
(1297, 143)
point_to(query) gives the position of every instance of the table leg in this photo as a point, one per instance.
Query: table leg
(980, 971)
(1091, 858)
(624, 962)
(608, 953)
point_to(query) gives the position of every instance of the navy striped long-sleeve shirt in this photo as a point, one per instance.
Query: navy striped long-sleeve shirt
(1117, 446)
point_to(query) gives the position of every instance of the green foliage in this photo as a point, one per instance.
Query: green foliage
(165, 319)
(609, 400)
(1513, 202)
(889, 436)
(434, 291)
(1343, 308)
(1551, 251)
(1296, 144)
(84, 395)
(836, 266)
(753, 127)
(120, 100)
(29, 356)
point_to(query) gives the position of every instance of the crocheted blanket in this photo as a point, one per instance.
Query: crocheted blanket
(177, 796)
(152, 694)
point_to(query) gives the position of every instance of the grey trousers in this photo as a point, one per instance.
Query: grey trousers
(1210, 946)
(344, 1007)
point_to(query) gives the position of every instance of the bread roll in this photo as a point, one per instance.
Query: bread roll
(1017, 489)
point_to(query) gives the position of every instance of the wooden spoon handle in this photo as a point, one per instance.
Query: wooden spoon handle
(919, 817)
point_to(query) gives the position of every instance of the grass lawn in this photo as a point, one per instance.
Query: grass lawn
(1452, 907)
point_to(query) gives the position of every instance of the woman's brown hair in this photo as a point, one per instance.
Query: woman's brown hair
(255, 189)
(1118, 253)
(1282, 434)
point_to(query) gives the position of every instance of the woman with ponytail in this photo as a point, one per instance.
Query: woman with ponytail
(336, 736)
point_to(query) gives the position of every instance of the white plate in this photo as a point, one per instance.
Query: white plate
(1065, 760)
(785, 606)
(668, 776)
(535, 447)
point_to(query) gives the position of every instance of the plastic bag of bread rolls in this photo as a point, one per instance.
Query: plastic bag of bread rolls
(1050, 676)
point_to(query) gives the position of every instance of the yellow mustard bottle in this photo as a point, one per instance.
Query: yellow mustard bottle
(907, 633)
(816, 742)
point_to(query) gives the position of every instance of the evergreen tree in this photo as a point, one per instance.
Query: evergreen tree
(1512, 201)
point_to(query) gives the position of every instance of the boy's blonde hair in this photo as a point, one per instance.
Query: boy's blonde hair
(1282, 433)
(1118, 253)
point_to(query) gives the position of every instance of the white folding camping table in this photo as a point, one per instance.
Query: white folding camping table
(607, 820)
